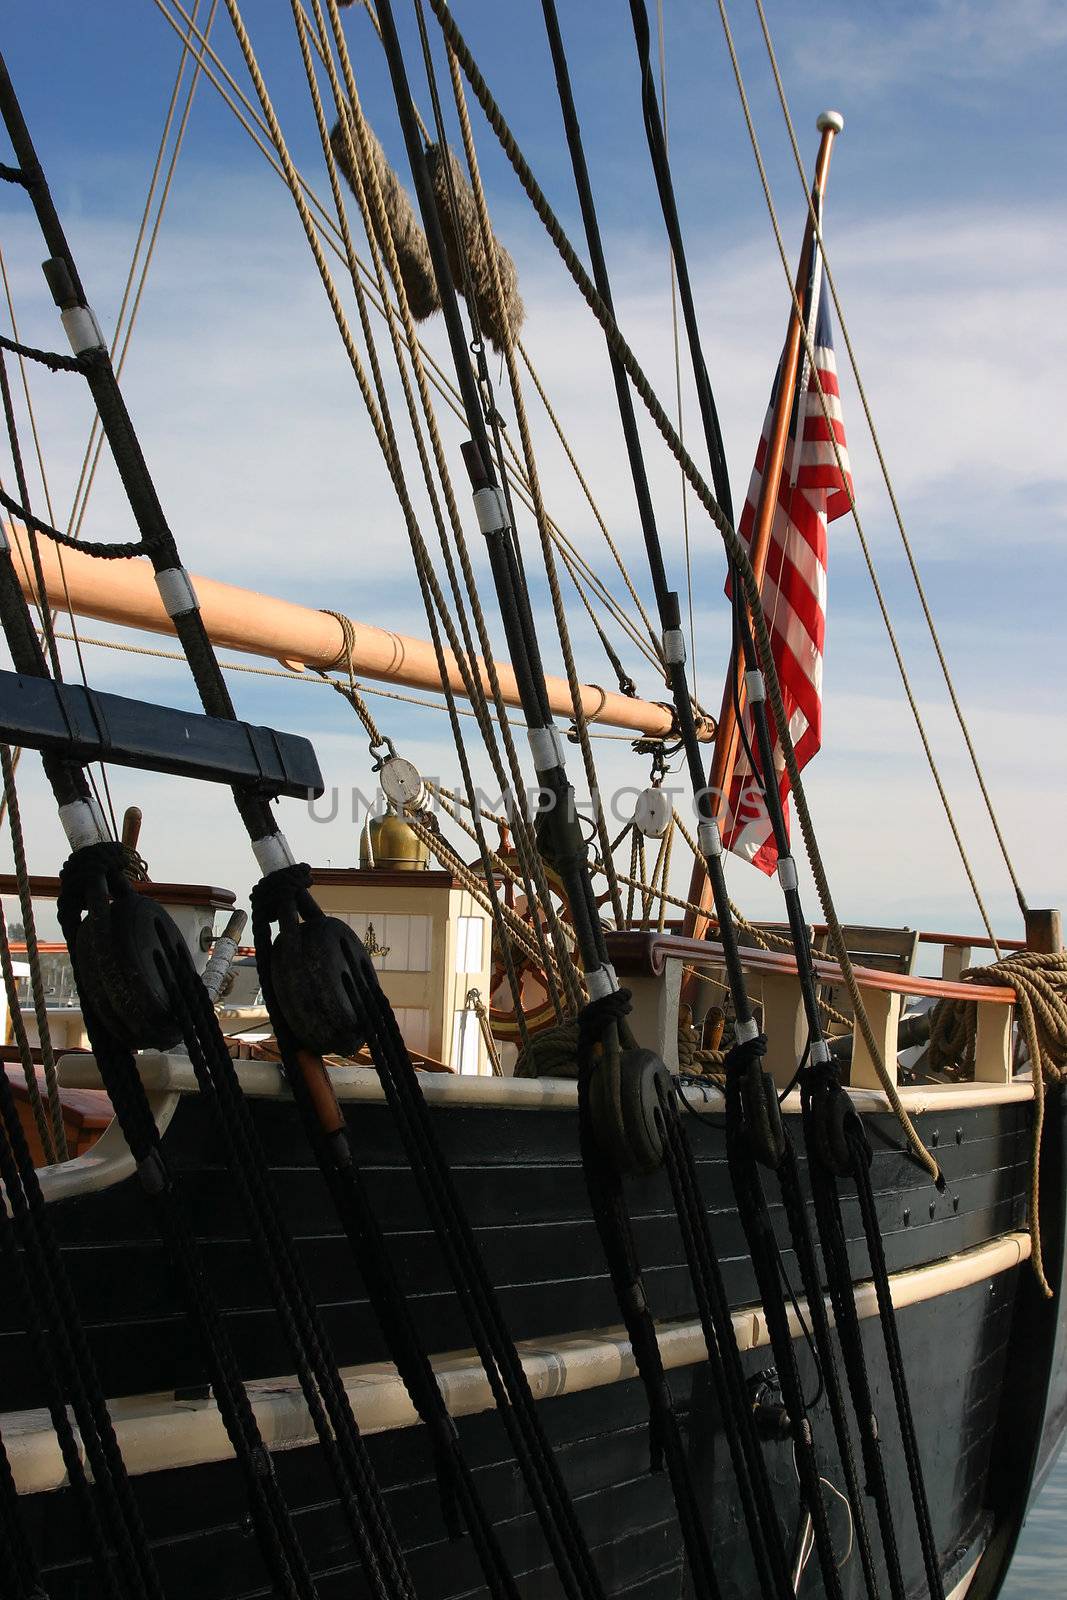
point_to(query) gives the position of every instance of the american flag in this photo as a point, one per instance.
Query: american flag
(812, 494)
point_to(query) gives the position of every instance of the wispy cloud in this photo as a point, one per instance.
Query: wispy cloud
(955, 41)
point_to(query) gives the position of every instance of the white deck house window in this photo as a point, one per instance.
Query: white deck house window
(470, 935)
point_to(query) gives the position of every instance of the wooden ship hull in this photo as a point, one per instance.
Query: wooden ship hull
(983, 1349)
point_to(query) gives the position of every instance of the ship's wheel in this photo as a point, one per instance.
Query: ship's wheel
(535, 996)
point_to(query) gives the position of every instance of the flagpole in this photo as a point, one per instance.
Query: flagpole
(830, 123)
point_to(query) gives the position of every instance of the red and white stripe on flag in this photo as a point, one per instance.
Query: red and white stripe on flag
(812, 493)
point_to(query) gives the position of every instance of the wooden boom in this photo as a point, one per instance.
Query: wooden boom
(124, 592)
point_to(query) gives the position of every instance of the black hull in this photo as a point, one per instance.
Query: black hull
(519, 1175)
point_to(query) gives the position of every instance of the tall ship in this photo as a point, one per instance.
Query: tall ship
(499, 1210)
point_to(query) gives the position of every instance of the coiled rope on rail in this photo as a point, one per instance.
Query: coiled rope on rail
(1040, 984)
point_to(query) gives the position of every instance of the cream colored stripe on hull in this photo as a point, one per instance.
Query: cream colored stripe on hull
(157, 1431)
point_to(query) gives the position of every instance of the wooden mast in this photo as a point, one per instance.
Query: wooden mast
(727, 739)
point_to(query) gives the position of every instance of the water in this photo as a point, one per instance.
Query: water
(1039, 1571)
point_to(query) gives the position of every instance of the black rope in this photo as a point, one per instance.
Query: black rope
(598, 1025)
(861, 1171)
(666, 599)
(492, 1339)
(750, 1468)
(824, 1143)
(157, 539)
(564, 840)
(18, 1565)
(846, 1320)
(23, 487)
(811, 1281)
(18, 1568)
(459, 1496)
(35, 1267)
(743, 1064)
(321, 1382)
(88, 878)
(51, 359)
(661, 167)
(106, 552)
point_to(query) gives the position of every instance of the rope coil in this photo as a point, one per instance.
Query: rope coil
(1040, 984)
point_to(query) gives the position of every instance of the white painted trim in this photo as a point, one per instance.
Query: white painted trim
(963, 1587)
(156, 1431)
(108, 1161)
(263, 1080)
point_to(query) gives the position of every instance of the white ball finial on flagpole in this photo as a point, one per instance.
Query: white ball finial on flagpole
(830, 119)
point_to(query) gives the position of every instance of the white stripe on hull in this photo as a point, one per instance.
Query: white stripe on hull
(157, 1431)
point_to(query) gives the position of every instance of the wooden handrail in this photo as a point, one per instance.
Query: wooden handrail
(955, 941)
(648, 953)
(172, 894)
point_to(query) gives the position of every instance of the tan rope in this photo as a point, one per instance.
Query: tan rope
(550, 1053)
(519, 931)
(861, 535)
(555, 532)
(476, 1004)
(351, 691)
(378, 226)
(533, 477)
(377, 409)
(313, 682)
(91, 458)
(256, 127)
(734, 545)
(884, 467)
(1040, 985)
(588, 493)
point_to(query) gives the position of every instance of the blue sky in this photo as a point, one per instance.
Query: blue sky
(947, 226)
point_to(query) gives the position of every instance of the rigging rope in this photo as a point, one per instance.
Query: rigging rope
(378, 225)
(378, 409)
(256, 127)
(378, 228)
(734, 545)
(284, 896)
(138, 988)
(661, 37)
(532, 475)
(17, 753)
(85, 483)
(884, 467)
(831, 434)
(74, 1394)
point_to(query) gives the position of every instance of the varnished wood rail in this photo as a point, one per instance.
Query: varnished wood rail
(651, 965)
